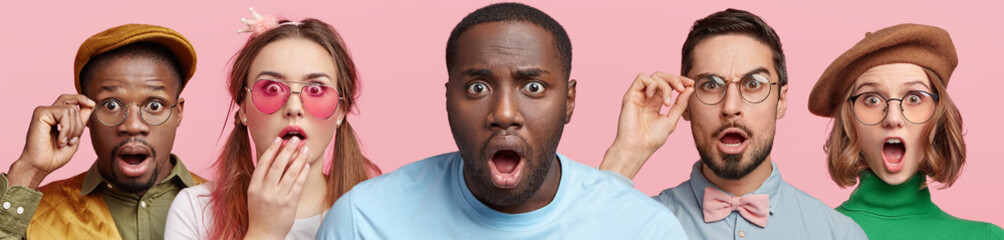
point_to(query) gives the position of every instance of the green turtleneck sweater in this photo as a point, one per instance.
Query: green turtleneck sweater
(906, 212)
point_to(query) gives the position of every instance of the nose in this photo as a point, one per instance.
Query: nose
(505, 112)
(133, 124)
(732, 105)
(293, 107)
(893, 116)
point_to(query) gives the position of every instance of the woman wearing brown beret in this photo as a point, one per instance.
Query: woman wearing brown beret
(894, 126)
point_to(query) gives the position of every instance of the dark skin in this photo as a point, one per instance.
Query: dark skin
(509, 91)
(54, 131)
(135, 80)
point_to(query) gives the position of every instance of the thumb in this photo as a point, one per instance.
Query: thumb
(85, 114)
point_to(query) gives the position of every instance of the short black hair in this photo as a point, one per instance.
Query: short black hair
(734, 21)
(148, 50)
(512, 12)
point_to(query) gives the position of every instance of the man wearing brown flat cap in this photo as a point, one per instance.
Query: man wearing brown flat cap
(129, 80)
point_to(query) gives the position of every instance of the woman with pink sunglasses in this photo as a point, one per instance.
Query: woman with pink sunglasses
(293, 84)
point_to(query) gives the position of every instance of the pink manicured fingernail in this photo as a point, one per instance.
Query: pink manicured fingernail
(277, 140)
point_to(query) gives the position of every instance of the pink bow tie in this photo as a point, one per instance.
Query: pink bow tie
(753, 207)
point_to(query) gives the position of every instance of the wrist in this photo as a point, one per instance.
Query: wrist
(624, 160)
(21, 173)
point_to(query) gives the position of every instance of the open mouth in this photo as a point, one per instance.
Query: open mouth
(732, 141)
(893, 150)
(133, 160)
(506, 168)
(290, 132)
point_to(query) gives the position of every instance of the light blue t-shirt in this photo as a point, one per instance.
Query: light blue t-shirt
(428, 199)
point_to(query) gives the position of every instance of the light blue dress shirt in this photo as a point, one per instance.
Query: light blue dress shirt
(793, 213)
(429, 199)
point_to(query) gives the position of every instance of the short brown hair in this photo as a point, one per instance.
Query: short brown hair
(944, 153)
(734, 21)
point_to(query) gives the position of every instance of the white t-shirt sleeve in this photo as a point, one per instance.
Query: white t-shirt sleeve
(186, 220)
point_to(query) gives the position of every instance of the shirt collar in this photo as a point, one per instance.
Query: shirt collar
(93, 178)
(770, 186)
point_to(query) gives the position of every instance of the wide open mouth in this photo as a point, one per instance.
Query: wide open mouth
(506, 168)
(506, 161)
(733, 141)
(133, 160)
(893, 150)
(291, 131)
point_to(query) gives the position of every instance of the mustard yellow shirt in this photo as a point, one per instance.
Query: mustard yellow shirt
(135, 217)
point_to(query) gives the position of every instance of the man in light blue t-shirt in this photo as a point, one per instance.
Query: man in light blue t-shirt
(508, 98)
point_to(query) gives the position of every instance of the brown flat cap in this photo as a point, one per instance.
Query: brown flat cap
(926, 46)
(116, 37)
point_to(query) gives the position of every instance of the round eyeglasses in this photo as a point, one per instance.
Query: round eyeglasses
(754, 88)
(917, 107)
(112, 112)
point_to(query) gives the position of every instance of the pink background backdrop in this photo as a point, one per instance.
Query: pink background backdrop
(399, 49)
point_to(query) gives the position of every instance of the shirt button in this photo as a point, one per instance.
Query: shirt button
(742, 234)
(6, 205)
(142, 204)
(20, 210)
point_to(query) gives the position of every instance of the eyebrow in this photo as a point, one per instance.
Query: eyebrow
(107, 89)
(873, 84)
(271, 74)
(156, 88)
(759, 70)
(476, 72)
(531, 72)
(281, 76)
(152, 87)
(317, 75)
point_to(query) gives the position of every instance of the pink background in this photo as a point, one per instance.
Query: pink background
(399, 49)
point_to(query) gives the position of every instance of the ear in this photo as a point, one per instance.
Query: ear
(242, 114)
(340, 117)
(181, 109)
(570, 101)
(686, 114)
(782, 101)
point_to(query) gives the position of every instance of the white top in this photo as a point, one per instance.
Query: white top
(190, 217)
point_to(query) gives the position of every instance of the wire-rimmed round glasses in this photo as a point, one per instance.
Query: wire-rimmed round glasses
(112, 112)
(917, 107)
(754, 88)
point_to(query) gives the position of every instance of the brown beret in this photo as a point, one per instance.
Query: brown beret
(116, 37)
(926, 46)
